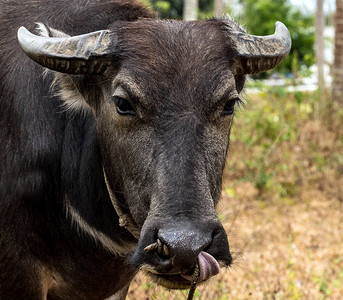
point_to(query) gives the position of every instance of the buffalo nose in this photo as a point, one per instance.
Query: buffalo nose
(182, 246)
(177, 247)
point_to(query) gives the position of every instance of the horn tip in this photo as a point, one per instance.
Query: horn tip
(279, 26)
(21, 32)
(22, 29)
(282, 29)
(22, 35)
(278, 23)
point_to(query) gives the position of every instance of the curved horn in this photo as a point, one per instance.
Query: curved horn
(261, 53)
(81, 54)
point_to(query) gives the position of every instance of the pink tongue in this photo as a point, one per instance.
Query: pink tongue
(208, 267)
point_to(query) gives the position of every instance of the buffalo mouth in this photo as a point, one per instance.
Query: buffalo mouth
(207, 265)
(172, 281)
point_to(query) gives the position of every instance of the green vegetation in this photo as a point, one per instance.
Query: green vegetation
(283, 127)
(259, 18)
(174, 8)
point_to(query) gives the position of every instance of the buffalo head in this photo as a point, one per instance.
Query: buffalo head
(163, 95)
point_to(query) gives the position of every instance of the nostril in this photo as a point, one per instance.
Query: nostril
(162, 249)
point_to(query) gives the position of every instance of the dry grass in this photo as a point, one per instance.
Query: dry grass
(282, 205)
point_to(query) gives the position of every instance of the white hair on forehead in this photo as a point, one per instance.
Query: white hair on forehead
(46, 31)
(73, 101)
(42, 30)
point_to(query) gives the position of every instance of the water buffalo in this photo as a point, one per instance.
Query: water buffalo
(114, 132)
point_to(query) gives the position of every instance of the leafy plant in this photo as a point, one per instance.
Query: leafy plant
(259, 17)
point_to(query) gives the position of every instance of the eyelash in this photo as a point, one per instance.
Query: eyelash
(123, 106)
(229, 106)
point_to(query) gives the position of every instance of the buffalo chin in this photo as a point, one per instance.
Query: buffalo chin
(174, 282)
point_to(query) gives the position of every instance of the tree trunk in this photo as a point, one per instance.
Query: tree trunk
(320, 44)
(337, 72)
(190, 9)
(218, 8)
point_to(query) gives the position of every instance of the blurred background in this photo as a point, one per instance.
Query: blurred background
(282, 200)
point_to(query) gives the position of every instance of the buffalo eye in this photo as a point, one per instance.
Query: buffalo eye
(229, 107)
(123, 106)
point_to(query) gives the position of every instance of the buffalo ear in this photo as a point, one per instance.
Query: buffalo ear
(79, 55)
(257, 54)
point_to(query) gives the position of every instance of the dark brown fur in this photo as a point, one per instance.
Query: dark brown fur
(164, 165)
(41, 162)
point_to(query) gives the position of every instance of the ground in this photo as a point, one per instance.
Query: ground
(282, 203)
